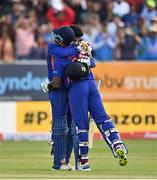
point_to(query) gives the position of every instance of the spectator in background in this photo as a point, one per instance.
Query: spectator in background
(138, 4)
(102, 42)
(149, 11)
(104, 45)
(102, 8)
(88, 9)
(60, 14)
(108, 11)
(46, 31)
(6, 43)
(121, 7)
(149, 45)
(35, 20)
(17, 11)
(25, 38)
(5, 7)
(41, 10)
(154, 21)
(113, 25)
(95, 25)
(98, 9)
(39, 50)
(142, 27)
(127, 42)
(79, 7)
(132, 18)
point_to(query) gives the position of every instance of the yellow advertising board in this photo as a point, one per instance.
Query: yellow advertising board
(133, 117)
(33, 117)
(127, 81)
(129, 117)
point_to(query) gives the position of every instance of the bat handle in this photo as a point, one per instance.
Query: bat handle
(99, 83)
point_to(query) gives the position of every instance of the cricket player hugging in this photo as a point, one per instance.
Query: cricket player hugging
(64, 136)
(83, 97)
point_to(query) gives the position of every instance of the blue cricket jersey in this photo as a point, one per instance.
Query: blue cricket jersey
(60, 65)
(56, 50)
(58, 59)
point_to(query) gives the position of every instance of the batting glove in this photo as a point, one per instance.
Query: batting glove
(83, 58)
(44, 86)
(85, 47)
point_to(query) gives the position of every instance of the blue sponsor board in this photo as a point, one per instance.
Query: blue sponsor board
(21, 82)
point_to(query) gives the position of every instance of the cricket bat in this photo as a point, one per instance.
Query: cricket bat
(91, 125)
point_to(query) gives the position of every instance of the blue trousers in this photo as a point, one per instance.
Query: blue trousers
(83, 97)
(59, 104)
(63, 142)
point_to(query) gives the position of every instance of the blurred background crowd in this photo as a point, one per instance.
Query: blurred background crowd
(117, 29)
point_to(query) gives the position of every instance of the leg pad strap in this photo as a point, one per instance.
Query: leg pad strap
(60, 126)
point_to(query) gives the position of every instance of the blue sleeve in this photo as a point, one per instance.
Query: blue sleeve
(54, 49)
(92, 63)
(58, 69)
(49, 68)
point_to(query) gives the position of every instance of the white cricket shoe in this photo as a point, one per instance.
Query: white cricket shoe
(85, 167)
(63, 167)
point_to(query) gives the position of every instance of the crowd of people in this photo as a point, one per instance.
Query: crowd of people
(117, 29)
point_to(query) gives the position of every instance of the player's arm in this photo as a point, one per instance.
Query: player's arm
(51, 85)
(85, 55)
(57, 73)
(92, 63)
(59, 51)
(87, 60)
(49, 67)
(56, 82)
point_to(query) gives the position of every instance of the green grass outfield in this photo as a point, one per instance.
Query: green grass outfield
(19, 160)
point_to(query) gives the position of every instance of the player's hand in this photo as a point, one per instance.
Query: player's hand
(44, 86)
(85, 47)
(83, 58)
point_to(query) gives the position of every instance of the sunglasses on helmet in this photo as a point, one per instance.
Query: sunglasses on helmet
(57, 38)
